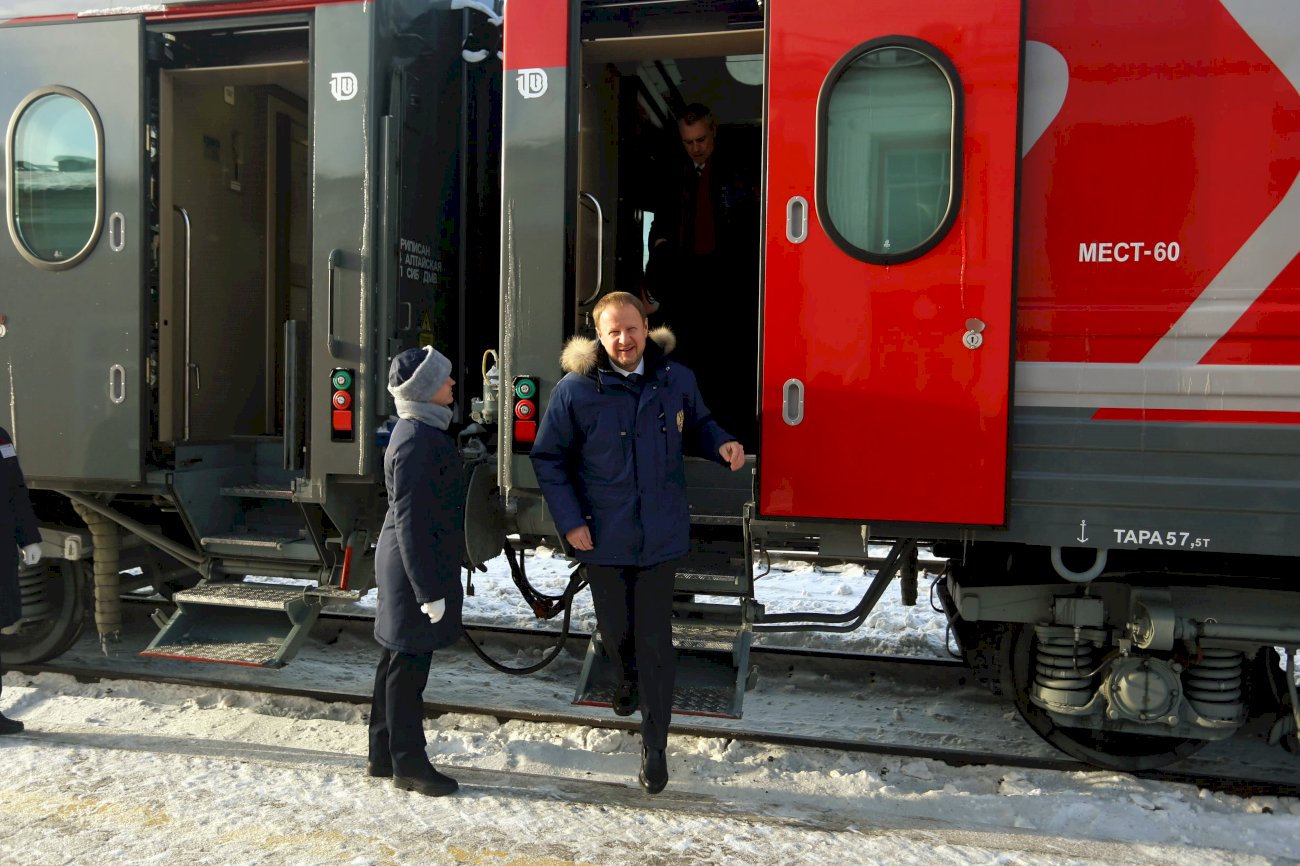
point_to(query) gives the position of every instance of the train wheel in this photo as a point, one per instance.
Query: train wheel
(1113, 750)
(63, 586)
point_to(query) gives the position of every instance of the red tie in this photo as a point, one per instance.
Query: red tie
(705, 239)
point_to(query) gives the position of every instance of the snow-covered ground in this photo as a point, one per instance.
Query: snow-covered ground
(142, 773)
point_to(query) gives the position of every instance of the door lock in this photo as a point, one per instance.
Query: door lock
(974, 336)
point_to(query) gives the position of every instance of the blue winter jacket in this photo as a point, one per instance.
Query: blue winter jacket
(419, 552)
(613, 459)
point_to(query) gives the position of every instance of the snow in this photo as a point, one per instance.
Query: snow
(131, 772)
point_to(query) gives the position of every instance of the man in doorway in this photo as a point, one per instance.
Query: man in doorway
(609, 460)
(703, 267)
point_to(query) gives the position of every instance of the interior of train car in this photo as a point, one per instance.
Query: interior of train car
(631, 155)
(232, 159)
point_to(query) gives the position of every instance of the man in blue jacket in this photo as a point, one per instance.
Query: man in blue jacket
(609, 458)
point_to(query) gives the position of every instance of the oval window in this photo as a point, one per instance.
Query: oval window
(889, 119)
(55, 178)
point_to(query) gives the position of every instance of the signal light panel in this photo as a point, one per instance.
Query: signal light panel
(525, 420)
(342, 418)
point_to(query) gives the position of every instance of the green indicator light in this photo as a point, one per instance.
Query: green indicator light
(342, 380)
(525, 389)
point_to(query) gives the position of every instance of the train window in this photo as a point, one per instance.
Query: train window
(889, 120)
(55, 178)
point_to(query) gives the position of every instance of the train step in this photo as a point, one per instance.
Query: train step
(259, 491)
(278, 545)
(241, 623)
(712, 670)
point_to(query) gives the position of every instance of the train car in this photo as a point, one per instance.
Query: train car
(223, 219)
(1021, 285)
(1027, 289)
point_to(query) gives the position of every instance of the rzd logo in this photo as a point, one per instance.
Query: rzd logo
(532, 83)
(343, 86)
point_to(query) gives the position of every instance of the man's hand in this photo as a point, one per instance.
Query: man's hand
(434, 610)
(32, 554)
(734, 453)
(579, 537)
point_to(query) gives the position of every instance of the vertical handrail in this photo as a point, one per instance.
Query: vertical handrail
(331, 262)
(189, 365)
(600, 248)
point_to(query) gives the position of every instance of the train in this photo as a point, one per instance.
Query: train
(1024, 280)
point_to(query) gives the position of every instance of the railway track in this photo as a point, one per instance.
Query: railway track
(871, 705)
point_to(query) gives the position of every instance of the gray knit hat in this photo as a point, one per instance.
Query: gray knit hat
(417, 374)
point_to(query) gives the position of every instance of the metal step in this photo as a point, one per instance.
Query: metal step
(714, 579)
(259, 491)
(712, 670)
(243, 623)
(261, 545)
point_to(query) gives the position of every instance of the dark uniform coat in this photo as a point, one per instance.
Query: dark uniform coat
(18, 528)
(418, 557)
(610, 454)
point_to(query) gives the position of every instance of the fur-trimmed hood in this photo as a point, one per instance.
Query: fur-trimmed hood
(583, 355)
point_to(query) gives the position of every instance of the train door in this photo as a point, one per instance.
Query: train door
(891, 136)
(72, 267)
(233, 164)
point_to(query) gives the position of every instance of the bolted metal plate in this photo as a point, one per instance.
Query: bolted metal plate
(260, 653)
(242, 595)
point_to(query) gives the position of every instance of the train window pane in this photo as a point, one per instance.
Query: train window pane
(888, 120)
(55, 176)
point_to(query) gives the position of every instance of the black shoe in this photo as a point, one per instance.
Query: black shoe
(626, 698)
(654, 770)
(10, 726)
(430, 783)
(379, 769)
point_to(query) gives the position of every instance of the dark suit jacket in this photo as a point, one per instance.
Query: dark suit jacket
(18, 528)
(735, 207)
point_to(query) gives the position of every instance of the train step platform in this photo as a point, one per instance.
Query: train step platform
(712, 642)
(242, 622)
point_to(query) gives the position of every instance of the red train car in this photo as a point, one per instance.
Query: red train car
(1026, 286)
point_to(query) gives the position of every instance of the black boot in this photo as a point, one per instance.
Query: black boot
(654, 770)
(379, 769)
(10, 726)
(429, 782)
(626, 698)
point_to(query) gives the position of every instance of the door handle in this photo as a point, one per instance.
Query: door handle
(792, 402)
(796, 219)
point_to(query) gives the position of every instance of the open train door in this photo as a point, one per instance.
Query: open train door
(889, 259)
(72, 264)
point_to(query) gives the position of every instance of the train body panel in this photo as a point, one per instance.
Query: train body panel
(233, 214)
(1024, 284)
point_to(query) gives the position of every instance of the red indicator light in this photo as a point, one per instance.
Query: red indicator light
(342, 400)
(525, 409)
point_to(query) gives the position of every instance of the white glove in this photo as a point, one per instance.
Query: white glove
(434, 609)
(32, 554)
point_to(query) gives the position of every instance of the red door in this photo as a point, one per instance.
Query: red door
(889, 259)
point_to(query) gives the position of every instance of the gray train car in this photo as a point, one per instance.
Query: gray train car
(223, 220)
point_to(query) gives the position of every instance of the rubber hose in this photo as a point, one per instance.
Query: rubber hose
(108, 582)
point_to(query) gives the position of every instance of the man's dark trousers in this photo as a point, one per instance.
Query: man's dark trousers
(634, 609)
(397, 725)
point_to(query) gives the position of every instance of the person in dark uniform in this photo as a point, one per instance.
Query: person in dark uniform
(703, 267)
(609, 461)
(17, 521)
(417, 568)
